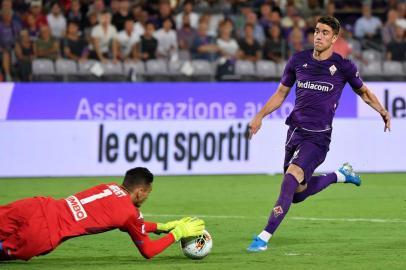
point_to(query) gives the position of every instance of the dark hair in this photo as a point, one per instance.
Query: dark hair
(332, 22)
(188, 2)
(249, 25)
(136, 177)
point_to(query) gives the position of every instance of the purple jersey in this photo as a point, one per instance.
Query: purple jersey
(319, 85)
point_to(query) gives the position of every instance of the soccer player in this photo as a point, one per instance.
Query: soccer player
(36, 226)
(320, 76)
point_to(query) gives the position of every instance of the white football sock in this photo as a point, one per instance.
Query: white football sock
(265, 236)
(340, 177)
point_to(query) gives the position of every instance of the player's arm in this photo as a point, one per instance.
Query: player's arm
(273, 103)
(148, 247)
(164, 227)
(369, 98)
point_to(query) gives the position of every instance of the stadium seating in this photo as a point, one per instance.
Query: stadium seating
(266, 70)
(43, 70)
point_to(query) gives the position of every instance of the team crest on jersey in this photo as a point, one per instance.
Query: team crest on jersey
(332, 69)
(305, 65)
(295, 155)
(277, 211)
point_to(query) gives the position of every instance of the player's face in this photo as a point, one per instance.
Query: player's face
(324, 37)
(140, 195)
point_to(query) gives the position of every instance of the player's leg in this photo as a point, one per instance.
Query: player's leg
(300, 167)
(8, 226)
(23, 230)
(294, 175)
(317, 183)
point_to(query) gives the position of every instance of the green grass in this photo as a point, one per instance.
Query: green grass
(236, 207)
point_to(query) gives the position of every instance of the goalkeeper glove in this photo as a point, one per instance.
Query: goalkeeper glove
(193, 227)
(166, 227)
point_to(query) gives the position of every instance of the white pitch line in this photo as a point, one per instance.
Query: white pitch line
(371, 220)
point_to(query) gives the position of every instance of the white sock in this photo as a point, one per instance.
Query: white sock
(340, 177)
(265, 236)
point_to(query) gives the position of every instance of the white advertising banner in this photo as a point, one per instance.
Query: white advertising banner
(391, 95)
(92, 148)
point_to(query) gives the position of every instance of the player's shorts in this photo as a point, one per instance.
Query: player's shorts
(306, 149)
(23, 230)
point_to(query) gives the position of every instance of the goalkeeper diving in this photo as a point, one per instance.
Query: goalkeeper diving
(36, 226)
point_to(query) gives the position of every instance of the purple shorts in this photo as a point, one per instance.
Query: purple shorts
(306, 149)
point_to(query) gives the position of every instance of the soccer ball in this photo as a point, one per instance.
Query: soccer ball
(198, 247)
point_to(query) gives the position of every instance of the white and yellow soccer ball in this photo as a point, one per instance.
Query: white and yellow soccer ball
(198, 247)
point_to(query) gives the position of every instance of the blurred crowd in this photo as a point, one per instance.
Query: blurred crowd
(224, 30)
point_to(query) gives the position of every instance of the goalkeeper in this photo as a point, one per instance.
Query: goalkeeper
(36, 226)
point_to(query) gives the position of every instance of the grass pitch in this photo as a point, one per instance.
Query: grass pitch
(343, 227)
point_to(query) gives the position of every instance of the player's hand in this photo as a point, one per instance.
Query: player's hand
(254, 126)
(194, 227)
(167, 227)
(386, 119)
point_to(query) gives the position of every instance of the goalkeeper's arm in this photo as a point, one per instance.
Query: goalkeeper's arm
(148, 247)
(151, 227)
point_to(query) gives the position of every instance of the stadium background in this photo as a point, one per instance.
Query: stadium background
(178, 101)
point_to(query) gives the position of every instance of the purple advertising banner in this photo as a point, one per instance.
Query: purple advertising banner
(149, 101)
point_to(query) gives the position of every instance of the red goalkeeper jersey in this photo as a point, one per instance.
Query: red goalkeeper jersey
(99, 209)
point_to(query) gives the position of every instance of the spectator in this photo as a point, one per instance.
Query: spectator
(75, 15)
(249, 47)
(274, 46)
(8, 5)
(127, 42)
(397, 48)
(114, 7)
(310, 9)
(25, 53)
(355, 45)
(186, 34)
(295, 41)
(103, 45)
(31, 26)
(97, 7)
(367, 27)
(389, 29)
(228, 46)
(46, 46)
(75, 47)
(203, 46)
(167, 41)
(331, 9)
(91, 23)
(148, 44)
(341, 46)
(259, 34)
(265, 16)
(291, 16)
(56, 21)
(139, 26)
(240, 19)
(9, 30)
(401, 9)
(213, 22)
(165, 12)
(36, 11)
(187, 10)
(309, 40)
(123, 14)
(275, 17)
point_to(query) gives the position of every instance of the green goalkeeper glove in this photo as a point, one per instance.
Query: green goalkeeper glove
(166, 227)
(193, 227)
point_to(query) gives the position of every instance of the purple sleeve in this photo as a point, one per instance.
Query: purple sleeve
(353, 77)
(289, 75)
